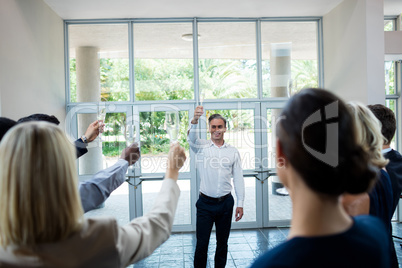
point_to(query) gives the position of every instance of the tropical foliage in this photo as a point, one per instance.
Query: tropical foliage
(172, 79)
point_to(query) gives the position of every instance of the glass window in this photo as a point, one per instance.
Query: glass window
(227, 60)
(105, 150)
(392, 105)
(163, 61)
(102, 153)
(279, 202)
(389, 25)
(389, 77)
(289, 57)
(98, 62)
(155, 142)
(150, 190)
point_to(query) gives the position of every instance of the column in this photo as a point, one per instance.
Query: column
(280, 63)
(88, 90)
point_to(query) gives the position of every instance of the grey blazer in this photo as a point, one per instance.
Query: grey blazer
(102, 242)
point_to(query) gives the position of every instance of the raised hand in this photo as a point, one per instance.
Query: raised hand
(93, 130)
(131, 154)
(199, 110)
(176, 159)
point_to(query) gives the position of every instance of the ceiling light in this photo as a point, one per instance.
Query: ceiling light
(188, 37)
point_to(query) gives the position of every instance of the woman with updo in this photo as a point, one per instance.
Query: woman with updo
(319, 158)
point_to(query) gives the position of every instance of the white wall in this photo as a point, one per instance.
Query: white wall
(393, 45)
(31, 60)
(353, 34)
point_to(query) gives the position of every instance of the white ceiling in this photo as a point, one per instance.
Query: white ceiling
(101, 9)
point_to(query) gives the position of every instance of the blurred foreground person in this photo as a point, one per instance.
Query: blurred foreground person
(379, 201)
(318, 159)
(93, 191)
(41, 218)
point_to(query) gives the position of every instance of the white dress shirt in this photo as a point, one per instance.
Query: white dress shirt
(216, 166)
(384, 151)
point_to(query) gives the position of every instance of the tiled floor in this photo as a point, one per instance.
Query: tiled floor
(244, 247)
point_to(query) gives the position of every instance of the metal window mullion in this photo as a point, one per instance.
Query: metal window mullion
(195, 62)
(131, 74)
(66, 65)
(320, 55)
(259, 60)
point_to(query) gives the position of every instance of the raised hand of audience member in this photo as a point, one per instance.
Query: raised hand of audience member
(175, 162)
(131, 154)
(94, 129)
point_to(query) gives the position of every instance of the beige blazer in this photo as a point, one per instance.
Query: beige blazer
(102, 242)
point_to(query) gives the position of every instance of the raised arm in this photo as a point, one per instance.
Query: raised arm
(143, 235)
(91, 133)
(96, 190)
(192, 136)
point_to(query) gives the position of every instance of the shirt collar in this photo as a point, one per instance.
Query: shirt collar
(384, 151)
(211, 143)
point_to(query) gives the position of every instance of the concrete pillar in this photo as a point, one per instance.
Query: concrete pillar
(280, 63)
(88, 90)
(280, 69)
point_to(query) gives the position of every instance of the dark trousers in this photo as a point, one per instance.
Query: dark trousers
(210, 212)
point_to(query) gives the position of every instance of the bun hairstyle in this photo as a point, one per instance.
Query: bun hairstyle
(318, 137)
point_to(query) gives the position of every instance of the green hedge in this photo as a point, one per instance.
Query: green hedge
(113, 148)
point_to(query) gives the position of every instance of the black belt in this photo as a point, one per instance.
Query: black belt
(216, 199)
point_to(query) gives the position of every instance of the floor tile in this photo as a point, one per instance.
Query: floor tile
(241, 255)
(239, 247)
(244, 246)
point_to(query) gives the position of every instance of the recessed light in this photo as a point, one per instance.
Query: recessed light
(188, 37)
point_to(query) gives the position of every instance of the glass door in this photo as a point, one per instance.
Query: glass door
(277, 204)
(242, 121)
(102, 153)
(151, 168)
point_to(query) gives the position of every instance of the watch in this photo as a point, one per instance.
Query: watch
(84, 139)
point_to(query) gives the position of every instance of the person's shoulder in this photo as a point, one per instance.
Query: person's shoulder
(370, 225)
(393, 155)
(98, 224)
(384, 175)
(279, 256)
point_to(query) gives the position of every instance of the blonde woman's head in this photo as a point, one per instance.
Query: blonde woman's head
(368, 132)
(39, 201)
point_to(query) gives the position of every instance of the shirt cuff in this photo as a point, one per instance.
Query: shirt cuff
(191, 126)
(122, 161)
(240, 203)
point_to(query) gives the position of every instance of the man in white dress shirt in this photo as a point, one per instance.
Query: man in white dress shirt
(217, 162)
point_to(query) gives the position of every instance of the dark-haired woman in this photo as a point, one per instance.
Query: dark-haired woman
(319, 159)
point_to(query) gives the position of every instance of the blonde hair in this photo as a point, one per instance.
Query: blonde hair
(368, 132)
(39, 200)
